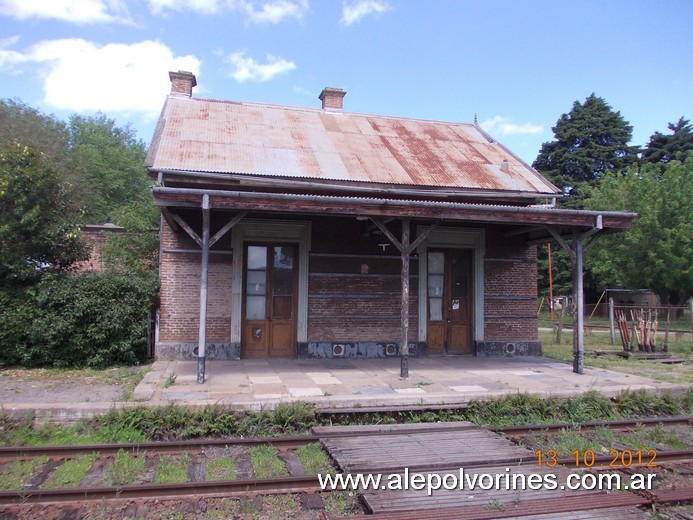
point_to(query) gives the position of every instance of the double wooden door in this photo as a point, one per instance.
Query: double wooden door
(269, 301)
(449, 299)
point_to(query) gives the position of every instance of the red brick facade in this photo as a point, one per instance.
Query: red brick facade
(180, 291)
(354, 288)
(510, 289)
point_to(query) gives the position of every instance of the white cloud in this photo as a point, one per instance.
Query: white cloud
(81, 76)
(247, 69)
(9, 41)
(198, 6)
(273, 11)
(502, 125)
(74, 11)
(352, 13)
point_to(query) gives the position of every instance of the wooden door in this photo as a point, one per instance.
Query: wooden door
(449, 292)
(269, 301)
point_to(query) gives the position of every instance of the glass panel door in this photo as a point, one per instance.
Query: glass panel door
(448, 282)
(282, 282)
(256, 283)
(269, 325)
(436, 285)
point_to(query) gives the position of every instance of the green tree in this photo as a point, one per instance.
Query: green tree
(26, 125)
(48, 135)
(111, 160)
(589, 141)
(665, 148)
(657, 252)
(37, 231)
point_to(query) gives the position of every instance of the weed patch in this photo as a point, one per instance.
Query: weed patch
(18, 473)
(314, 459)
(220, 469)
(266, 463)
(172, 470)
(341, 503)
(125, 468)
(71, 472)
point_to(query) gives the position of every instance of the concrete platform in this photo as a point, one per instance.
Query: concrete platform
(335, 383)
(339, 383)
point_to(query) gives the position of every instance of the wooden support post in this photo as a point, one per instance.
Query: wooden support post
(578, 310)
(576, 252)
(404, 347)
(612, 330)
(202, 337)
(405, 247)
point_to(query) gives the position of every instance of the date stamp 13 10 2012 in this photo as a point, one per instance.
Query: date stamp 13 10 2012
(588, 458)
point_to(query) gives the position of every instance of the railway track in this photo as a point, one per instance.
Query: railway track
(296, 441)
(193, 454)
(95, 487)
(624, 424)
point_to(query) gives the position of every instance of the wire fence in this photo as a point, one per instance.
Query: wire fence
(638, 327)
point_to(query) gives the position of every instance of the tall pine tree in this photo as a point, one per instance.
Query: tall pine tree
(589, 141)
(664, 148)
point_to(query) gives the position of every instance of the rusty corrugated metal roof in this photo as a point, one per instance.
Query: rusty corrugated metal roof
(271, 140)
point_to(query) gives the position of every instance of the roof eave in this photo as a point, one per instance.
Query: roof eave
(187, 178)
(383, 207)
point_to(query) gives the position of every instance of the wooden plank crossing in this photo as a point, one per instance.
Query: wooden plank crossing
(418, 450)
(610, 513)
(459, 451)
(515, 513)
(476, 498)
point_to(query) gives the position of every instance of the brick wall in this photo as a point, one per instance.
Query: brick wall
(343, 307)
(354, 284)
(180, 292)
(95, 237)
(354, 288)
(510, 286)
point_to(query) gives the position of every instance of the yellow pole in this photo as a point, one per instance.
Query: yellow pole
(595, 307)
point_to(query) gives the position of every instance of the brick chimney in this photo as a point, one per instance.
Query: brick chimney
(182, 83)
(332, 98)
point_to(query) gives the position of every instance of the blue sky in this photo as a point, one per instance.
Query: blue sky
(518, 65)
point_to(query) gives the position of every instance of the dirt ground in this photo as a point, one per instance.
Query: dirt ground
(66, 386)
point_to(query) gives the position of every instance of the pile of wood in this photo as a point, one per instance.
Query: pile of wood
(644, 330)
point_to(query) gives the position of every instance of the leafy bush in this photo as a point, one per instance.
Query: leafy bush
(179, 422)
(78, 320)
(17, 313)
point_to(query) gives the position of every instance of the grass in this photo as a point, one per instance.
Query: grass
(220, 469)
(567, 442)
(18, 473)
(171, 379)
(71, 472)
(266, 463)
(172, 470)
(682, 323)
(281, 506)
(125, 468)
(629, 447)
(676, 373)
(314, 459)
(341, 503)
(15, 432)
(141, 424)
